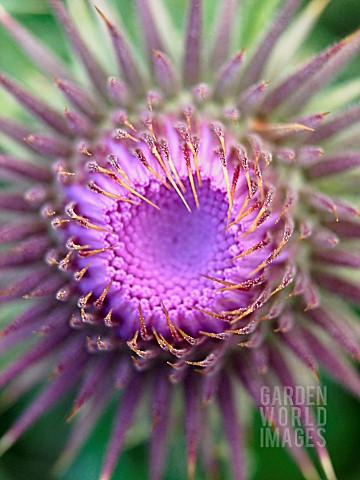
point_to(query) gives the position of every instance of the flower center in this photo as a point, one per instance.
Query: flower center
(162, 254)
(166, 246)
(158, 257)
(168, 249)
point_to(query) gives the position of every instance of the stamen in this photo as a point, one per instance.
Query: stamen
(143, 330)
(108, 320)
(219, 280)
(245, 166)
(190, 175)
(160, 341)
(151, 143)
(95, 188)
(118, 180)
(306, 230)
(82, 302)
(188, 112)
(218, 336)
(258, 177)
(287, 279)
(336, 215)
(156, 153)
(114, 162)
(99, 302)
(188, 338)
(65, 261)
(122, 134)
(166, 152)
(172, 328)
(132, 345)
(140, 155)
(246, 285)
(74, 246)
(62, 173)
(279, 129)
(184, 134)
(90, 253)
(153, 99)
(244, 213)
(290, 199)
(221, 154)
(79, 275)
(219, 132)
(289, 227)
(253, 248)
(265, 208)
(59, 222)
(85, 151)
(83, 221)
(201, 92)
(220, 316)
(174, 351)
(234, 181)
(233, 114)
(207, 362)
(243, 312)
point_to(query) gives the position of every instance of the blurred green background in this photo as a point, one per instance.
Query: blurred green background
(32, 457)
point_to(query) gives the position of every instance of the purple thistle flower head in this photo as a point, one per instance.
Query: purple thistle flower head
(179, 223)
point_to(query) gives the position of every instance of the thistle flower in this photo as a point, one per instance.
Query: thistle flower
(179, 227)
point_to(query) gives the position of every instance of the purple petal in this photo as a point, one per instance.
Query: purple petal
(11, 232)
(251, 96)
(78, 124)
(161, 418)
(37, 353)
(80, 99)
(334, 363)
(346, 229)
(233, 431)
(47, 145)
(14, 130)
(343, 258)
(50, 395)
(258, 61)
(228, 74)
(98, 370)
(293, 81)
(24, 169)
(325, 74)
(83, 426)
(122, 423)
(193, 416)
(335, 163)
(13, 201)
(224, 21)
(295, 342)
(336, 123)
(28, 251)
(339, 286)
(37, 107)
(36, 50)
(124, 55)
(192, 60)
(148, 27)
(338, 329)
(307, 416)
(165, 73)
(95, 71)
